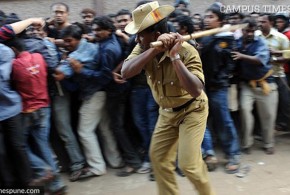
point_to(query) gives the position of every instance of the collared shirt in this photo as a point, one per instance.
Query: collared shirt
(276, 41)
(256, 48)
(163, 80)
(10, 101)
(30, 78)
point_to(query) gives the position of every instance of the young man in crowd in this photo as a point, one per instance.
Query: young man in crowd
(277, 42)
(257, 86)
(29, 75)
(10, 119)
(218, 66)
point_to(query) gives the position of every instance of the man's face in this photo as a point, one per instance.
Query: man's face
(196, 18)
(60, 14)
(211, 20)
(71, 43)
(179, 28)
(36, 31)
(87, 18)
(144, 39)
(255, 16)
(100, 34)
(234, 19)
(249, 34)
(122, 21)
(264, 24)
(280, 24)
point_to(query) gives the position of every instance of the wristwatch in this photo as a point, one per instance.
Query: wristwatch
(274, 58)
(176, 57)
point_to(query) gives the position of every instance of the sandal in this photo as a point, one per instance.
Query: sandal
(127, 171)
(232, 168)
(211, 162)
(243, 171)
(75, 175)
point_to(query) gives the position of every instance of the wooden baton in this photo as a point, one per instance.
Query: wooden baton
(205, 33)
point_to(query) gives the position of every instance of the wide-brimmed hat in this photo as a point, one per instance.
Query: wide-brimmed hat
(146, 15)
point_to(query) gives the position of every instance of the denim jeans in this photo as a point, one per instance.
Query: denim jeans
(145, 114)
(222, 122)
(206, 146)
(61, 109)
(13, 149)
(37, 127)
(283, 114)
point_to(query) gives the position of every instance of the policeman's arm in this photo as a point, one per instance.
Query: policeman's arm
(135, 65)
(191, 83)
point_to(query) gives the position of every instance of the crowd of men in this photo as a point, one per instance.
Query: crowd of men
(66, 78)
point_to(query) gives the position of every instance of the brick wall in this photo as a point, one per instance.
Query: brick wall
(40, 8)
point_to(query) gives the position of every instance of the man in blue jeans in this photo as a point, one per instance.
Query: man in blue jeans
(217, 66)
(10, 120)
(29, 75)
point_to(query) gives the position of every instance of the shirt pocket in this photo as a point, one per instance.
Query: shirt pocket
(172, 88)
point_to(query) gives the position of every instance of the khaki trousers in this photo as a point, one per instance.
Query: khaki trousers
(267, 110)
(181, 131)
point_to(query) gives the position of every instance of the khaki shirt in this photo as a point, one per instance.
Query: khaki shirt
(163, 80)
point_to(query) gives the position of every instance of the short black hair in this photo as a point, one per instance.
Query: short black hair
(216, 9)
(270, 17)
(181, 2)
(251, 22)
(185, 21)
(73, 31)
(88, 11)
(123, 12)
(105, 22)
(60, 3)
(17, 43)
(241, 15)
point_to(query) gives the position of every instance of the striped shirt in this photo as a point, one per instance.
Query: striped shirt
(6, 32)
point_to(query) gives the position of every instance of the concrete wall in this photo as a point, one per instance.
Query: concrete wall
(41, 8)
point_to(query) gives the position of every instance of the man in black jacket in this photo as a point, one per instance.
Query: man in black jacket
(217, 66)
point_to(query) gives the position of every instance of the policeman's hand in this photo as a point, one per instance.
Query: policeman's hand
(76, 65)
(118, 78)
(168, 41)
(177, 45)
(237, 55)
(58, 75)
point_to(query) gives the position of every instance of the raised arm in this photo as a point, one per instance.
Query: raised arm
(18, 27)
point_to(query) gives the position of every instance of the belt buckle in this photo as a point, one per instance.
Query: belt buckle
(168, 109)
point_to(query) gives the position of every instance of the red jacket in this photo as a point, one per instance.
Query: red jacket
(29, 74)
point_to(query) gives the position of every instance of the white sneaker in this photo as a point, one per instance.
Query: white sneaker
(145, 168)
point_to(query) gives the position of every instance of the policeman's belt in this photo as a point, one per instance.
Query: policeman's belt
(178, 108)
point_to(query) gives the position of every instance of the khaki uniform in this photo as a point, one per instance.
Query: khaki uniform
(181, 130)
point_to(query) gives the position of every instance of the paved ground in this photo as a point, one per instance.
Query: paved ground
(269, 175)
